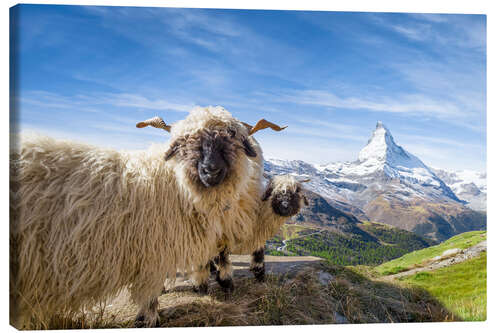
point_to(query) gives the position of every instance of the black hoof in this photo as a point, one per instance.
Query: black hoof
(261, 278)
(260, 273)
(227, 284)
(140, 322)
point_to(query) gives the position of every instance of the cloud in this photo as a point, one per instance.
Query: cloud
(438, 156)
(433, 140)
(404, 104)
(322, 129)
(88, 102)
(141, 102)
(459, 31)
(414, 33)
(435, 18)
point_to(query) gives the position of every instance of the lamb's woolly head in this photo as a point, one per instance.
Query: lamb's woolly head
(210, 145)
(285, 195)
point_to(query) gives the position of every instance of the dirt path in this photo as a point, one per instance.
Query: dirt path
(461, 256)
(283, 248)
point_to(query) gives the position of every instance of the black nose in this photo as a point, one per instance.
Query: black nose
(211, 170)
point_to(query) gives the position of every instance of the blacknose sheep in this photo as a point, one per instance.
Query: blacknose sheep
(87, 222)
(282, 199)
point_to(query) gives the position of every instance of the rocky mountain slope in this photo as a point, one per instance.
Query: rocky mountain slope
(390, 185)
(468, 185)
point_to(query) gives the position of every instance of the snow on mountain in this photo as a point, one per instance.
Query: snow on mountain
(380, 164)
(468, 185)
(390, 185)
(382, 154)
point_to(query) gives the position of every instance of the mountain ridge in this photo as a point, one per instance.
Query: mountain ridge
(389, 184)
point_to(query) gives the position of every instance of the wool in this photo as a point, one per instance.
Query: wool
(87, 222)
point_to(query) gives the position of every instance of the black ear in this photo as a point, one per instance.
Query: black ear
(174, 147)
(249, 149)
(268, 191)
(306, 202)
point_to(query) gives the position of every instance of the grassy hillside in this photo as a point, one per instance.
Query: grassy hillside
(461, 288)
(356, 244)
(416, 258)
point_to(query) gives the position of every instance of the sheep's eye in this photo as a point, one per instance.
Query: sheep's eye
(231, 132)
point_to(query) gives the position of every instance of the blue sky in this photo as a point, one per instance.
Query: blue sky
(91, 73)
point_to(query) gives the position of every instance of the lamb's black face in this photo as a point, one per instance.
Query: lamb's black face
(212, 165)
(286, 203)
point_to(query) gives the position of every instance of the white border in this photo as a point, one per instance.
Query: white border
(421, 6)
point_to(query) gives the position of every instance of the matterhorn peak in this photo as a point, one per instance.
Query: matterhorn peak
(380, 145)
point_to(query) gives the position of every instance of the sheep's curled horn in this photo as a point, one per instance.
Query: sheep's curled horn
(154, 122)
(262, 124)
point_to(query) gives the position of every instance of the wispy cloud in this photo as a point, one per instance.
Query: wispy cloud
(433, 140)
(416, 33)
(435, 18)
(456, 31)
(404, 104)
(445, 157)
(54, 101)
(141, 102)
(89, 102)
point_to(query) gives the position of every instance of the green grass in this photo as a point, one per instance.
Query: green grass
(290, 231)
(416, 258)
(461, 288)
(370, 244)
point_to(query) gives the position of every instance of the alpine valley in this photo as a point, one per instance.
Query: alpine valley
(389, 185)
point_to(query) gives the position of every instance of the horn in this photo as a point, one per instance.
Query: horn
(263, 124)
(156, 122)
(305, 180)
(249, 127)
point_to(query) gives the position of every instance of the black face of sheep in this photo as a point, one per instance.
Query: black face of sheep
(208, 154)
(212, 165)
(286, 202)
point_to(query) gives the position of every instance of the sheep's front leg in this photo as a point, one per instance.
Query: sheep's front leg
(144, 292)
(201, 278)
(148, 314)
(257, 266)
(224, 275)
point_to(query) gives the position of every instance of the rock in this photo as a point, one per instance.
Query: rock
(324, 278)
(339, 319)
(451, 252)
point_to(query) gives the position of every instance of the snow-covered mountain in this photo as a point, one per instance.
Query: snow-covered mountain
(468, 185)
(386, 184)
(380, 163)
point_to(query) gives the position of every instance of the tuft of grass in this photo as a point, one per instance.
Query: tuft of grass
(416, 258)
(460, 287)
(363, 300)
(396, 270)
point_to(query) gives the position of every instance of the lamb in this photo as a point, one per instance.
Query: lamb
(282, 199)
(87, 222)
